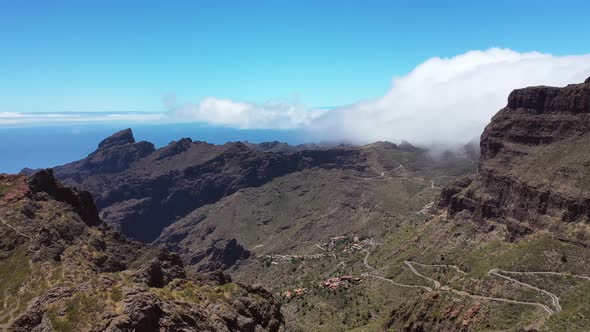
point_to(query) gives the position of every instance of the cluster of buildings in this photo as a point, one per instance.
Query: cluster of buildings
(297, 292)
(349, 246)
(357, 244)
(343, 281)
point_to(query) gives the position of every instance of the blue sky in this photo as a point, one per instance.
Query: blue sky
(120, 55)
(431, 72)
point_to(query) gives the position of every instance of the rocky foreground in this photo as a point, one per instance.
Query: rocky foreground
(63, 269)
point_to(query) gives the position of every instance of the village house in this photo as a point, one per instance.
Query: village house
(335, 282)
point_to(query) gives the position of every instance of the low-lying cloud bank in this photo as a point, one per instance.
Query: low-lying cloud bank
(443, 101)
(269, 115)
(449, 101)
(15, 119)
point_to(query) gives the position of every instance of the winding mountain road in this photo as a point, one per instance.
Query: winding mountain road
(454, 267)
(554, 298)
(494, 272)
(499, 299)
(561, 274)
(367, 274)
(365, 261)
(435, 282)
(426, 288)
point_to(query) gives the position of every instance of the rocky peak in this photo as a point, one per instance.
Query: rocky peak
(587, 80)
(174, 148)
(574, 99)
(407, 146)
(114, 154)
(122, 137)
(537, 116)
(236, 147)
(43, 181)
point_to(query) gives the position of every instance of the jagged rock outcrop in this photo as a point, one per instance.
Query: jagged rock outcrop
(535, 158)
(81, 201)
(122, 137)
(220, 255)
(63, 269)
(114, 154)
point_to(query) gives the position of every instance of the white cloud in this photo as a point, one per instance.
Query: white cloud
(225, 112)
(449, 101)
(443, 101)
(14, 119)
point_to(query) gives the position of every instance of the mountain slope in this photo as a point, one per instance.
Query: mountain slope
(140, 190)
(151, 190)
(62, 269)
(512, 239)
(293, 213)
(488, 256)
(534, 162)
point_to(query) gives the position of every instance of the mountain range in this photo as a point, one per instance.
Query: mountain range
(375, 237)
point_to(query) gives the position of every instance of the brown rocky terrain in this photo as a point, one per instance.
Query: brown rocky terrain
(535, 162)
(63, 269)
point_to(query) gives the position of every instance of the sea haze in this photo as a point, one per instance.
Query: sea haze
(51, 145)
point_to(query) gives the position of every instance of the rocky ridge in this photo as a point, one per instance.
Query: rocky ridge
(534, 162)
(140, 190)
(63, 269)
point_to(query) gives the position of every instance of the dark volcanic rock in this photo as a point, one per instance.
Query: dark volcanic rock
(122, 137)
(81, 201)
(534, 160)
(161, 270)
(221, 255)
(174, 148)
(282, 147)
(114, 154)
(142, 312)
(140, 191)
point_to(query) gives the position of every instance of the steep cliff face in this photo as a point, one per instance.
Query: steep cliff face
(535, 160)
(62, 269)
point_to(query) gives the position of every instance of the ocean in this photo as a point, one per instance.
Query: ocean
(45, 146)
